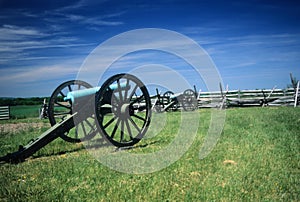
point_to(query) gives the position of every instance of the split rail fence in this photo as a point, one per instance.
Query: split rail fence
(248, 98)
(4, 112)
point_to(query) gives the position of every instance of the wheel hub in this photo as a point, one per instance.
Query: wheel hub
(124, 111)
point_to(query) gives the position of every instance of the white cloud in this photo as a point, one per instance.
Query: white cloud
(101, 20)
(16, 33)
(240, 65)
(79, 5)
(25, 43)
(36, 74)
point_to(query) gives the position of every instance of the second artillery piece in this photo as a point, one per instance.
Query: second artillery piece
(170, 101)
(120, 110)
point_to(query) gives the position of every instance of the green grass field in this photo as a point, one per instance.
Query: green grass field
(257, 158)
(24, 111)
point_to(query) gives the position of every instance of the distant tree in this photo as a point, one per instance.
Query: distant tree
(21, 101)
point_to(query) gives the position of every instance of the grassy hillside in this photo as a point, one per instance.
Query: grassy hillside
(256, 159)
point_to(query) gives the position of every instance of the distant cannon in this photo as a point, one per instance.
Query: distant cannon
(172, 102)
(120, 110)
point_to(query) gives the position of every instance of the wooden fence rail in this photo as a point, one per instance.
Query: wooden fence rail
(4, 112)
(246, 98)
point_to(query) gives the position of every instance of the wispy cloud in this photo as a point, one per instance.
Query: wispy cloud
(79, 5)
(17, 33)
(31, 40)
(16, 42)
(280, 39)
(37, 80)
(99, 20)
(34, 74)
(242, 58)
(66, 13)
(252, 48)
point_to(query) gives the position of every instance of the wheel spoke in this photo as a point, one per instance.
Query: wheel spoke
(83, 128)
(132, 93)
(90, 124)
(62, 94)
(69, 87)
(122, 131)
(115, 128)
(141, 118)
(62, 105)
(134, 124)
(109, 122)
(116, 99)
(76, 132)
(126, 89)
(120, 90)
(128, 129)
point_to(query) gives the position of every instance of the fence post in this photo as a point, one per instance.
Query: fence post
(296, 96)
(223, 97)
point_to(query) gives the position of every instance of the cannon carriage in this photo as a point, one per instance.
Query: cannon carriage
(119, 110)
(170, 101)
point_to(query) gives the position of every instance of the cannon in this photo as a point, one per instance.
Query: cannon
(172, 102)
(119, 110)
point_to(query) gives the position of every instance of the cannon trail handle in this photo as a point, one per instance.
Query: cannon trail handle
(36, 144)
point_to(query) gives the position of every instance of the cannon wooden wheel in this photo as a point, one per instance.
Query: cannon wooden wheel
(168, 98)
(189, 100)
(124, 113)
(59, 108)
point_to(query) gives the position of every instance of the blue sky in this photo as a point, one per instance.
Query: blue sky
(254, 44)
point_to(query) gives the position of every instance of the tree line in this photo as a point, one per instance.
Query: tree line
(22, 101)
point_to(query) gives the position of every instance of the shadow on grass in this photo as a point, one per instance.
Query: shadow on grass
(93, 144)
(135, 146)
(98, 143)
